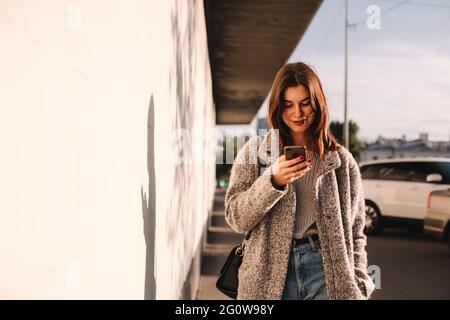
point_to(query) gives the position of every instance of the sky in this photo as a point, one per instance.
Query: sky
(398, 75)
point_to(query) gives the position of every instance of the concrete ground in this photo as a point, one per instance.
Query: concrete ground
(220, 239)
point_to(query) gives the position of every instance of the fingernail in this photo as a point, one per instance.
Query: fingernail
(302, 157)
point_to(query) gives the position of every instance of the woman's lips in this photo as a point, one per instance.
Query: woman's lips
(300, 123)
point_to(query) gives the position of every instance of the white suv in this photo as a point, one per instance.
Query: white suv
(396, 190)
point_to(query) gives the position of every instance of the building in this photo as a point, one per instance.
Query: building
(384, 148)
(97, 98)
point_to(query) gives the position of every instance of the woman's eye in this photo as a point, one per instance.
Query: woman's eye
(306, 103)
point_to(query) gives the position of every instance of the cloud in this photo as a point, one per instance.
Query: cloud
(394, 88)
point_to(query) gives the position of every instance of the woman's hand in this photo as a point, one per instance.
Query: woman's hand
(287, 171)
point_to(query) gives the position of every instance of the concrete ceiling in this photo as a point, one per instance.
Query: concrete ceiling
(249, 40)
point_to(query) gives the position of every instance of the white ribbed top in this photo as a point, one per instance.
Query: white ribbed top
(304, 207)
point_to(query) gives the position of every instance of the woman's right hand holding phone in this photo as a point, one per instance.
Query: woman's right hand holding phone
(287, 171)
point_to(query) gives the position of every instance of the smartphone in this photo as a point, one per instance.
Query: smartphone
(292, 152)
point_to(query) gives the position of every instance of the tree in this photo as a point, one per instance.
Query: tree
(355, 145)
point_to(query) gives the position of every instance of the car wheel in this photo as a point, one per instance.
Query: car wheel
(373, 219)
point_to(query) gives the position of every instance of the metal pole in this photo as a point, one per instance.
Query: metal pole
(346, 125)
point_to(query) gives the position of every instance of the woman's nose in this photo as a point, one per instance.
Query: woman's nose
(299, 112)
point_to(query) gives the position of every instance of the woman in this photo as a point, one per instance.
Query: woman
(306, 217)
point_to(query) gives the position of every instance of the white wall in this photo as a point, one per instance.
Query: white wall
(92, 92)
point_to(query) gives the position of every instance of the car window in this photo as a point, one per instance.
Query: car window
(444, 169)
(418, 171)
(370, 171)
(406, 171)
(365, 172)
(394, 171)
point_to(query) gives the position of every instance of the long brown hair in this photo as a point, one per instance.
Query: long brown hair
(292, 75)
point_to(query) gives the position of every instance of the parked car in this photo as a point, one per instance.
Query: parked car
(396, 190)
(437, 219)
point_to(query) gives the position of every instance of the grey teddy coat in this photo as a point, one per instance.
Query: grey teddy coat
(251, 202)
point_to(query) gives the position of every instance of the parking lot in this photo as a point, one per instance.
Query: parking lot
(411, 265)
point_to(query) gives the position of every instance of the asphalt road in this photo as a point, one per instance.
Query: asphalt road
(411, 266)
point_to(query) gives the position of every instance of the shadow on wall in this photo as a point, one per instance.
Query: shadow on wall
(149, 207)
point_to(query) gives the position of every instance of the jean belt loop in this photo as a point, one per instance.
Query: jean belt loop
(311, 242)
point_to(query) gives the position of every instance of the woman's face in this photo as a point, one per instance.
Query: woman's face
(298, 113)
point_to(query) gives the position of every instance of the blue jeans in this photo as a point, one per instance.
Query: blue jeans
(305, 278)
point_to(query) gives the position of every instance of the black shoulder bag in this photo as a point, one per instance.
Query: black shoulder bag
(228, 280)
